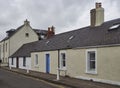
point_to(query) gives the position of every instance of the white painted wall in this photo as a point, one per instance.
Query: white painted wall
(28, 63)
(14, 62)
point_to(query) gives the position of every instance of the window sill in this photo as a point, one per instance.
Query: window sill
(63, 69)
(91, 72)
(36, 66)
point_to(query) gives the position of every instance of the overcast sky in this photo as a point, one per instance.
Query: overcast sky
(65, 15)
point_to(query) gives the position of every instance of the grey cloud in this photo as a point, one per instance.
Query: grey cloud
(63, 14)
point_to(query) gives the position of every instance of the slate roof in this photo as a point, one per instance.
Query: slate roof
(83, 37)
(12, 33)
(40, 31)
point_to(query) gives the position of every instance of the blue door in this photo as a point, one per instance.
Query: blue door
(47, 63)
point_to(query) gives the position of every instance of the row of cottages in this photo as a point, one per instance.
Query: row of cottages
(16, 38)
(91, 53)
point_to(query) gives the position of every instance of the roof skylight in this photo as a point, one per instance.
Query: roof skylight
(47, 42)
(71, 37)
(114, 26)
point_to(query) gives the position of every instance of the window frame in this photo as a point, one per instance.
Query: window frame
(6, 46)
(27, 35)
(61, 60)
(24, 61)
(12, 61)
(36, 60)
(88, 69)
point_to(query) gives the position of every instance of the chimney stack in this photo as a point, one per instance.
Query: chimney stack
(26, 22)
(51, 31)
(97, 15)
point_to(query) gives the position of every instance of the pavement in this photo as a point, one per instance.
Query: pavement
(66, 81)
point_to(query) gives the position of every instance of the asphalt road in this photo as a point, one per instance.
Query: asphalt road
(14, 80)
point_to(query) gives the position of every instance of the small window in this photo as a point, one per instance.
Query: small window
(114, 26)
(71, 37)
(27, 34)
(47, 42)
(36, 59)
(63, 60)
(24, 61)
(91, 62)
(6, 47)
(3, 48)
(12, 61)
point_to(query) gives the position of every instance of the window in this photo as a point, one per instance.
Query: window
(36, 59)
(6, 47)
(3, 48)
(24, 61)
(12, 61)
(91, 61)
(27, 34)
(114, 26)
(63, 60)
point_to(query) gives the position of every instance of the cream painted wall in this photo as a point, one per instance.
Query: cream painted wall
(19, 38)
(108, 63)
(1, 50)
(41, 67)
(4, 54)
(6, 50)
(16, 41)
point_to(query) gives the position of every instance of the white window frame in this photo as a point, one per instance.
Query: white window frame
(24, 61)
(36, 59)
(61, 61)
(12, 61)
(87, 62)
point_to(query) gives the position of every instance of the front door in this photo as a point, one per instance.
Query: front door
(17, 62)
(47, 63)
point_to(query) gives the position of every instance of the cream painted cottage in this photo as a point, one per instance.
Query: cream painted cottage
(90, 53)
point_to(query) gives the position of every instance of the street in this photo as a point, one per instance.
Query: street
(14, 80)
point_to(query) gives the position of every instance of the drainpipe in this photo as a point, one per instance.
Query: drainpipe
(58, 71)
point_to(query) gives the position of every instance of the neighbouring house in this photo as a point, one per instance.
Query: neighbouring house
(90, 53)
(22, 59)
(16, 38)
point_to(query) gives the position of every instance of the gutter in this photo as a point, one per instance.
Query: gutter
(97, 46)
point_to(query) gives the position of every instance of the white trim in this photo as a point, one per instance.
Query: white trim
(91, 72)
(99, 80)
(61, 67)
(36, 65)
(46, 53)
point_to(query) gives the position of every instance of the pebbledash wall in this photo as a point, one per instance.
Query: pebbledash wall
(107, 63)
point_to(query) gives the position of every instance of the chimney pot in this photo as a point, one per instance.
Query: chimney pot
(53, 29)
(48, 29)
(50, 32)
(98, 5)
(26, 22)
